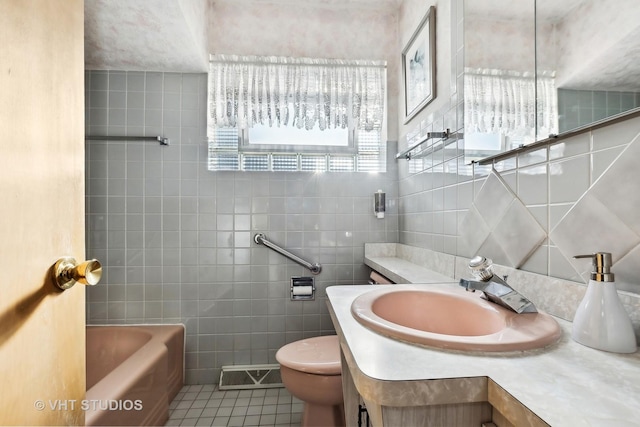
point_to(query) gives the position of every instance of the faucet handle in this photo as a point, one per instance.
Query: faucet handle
(480, 267)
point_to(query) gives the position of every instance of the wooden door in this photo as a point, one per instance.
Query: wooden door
(42, 329)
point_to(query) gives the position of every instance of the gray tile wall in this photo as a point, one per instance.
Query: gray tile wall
(176, 240)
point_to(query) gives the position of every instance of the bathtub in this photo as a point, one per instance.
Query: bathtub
(133, 373)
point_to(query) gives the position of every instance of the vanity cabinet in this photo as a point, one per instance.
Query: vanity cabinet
(564, 385)
(408, 413)
(448, 402)
(466, 402)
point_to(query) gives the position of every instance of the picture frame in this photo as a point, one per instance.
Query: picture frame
(419, 66)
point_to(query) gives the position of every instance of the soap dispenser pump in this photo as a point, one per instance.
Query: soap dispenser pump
(601, 321)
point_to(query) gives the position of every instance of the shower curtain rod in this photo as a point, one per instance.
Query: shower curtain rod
(162, 140)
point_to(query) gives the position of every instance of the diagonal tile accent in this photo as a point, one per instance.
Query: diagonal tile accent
(591, 227)
(499, 226)
(606, 219)
(519, 233)
(626, 271)
(618, 188)
(493, 199)
(474, 232)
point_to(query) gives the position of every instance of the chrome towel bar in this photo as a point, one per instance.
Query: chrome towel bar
(261, 239)
(162, 140)
(406, 154)
(441, 136)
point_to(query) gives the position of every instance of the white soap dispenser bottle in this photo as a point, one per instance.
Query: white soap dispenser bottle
(601, 321)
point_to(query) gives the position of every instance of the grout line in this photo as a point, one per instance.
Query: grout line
(206, 405)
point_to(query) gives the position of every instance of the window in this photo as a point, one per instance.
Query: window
(270, 138)
(287, 114)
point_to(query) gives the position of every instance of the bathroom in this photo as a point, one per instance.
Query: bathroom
(176, 240)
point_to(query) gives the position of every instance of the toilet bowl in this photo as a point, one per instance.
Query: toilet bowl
(310, 370)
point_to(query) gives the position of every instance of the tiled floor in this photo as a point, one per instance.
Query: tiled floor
(205, 405)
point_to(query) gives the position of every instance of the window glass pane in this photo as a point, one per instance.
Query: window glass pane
(369, 141)
(224, 154)
(341, 164)
(255, 162)
(221, 162)
(313, 163)
(285, 162)
(225, 138)
(289, 135)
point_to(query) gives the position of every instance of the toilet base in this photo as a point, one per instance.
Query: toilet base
(315, 415)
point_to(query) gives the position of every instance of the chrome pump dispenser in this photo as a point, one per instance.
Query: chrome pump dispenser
(601, 321)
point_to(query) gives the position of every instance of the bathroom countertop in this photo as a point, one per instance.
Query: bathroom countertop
(565, 384)
(403, 271)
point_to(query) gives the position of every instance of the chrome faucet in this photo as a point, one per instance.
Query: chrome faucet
(495, 289)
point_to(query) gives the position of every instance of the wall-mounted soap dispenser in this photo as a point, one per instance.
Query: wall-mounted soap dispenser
(601, 321)
(379, 204)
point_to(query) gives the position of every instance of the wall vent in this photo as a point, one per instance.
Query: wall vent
(237, 377)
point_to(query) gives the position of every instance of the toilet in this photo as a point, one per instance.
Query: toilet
(310, 370)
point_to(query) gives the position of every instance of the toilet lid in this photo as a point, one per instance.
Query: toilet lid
(317, 355)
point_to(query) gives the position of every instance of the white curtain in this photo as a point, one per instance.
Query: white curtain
(301, 92)
(547, 110)
(505, 101)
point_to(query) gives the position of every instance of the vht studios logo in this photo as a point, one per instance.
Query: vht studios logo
(88, 405)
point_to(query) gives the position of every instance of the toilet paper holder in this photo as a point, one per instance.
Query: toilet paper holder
(303, 288)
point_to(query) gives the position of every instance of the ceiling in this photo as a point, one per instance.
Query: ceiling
(151, 35)
(509, 9)
(166, 35)
(171, 35)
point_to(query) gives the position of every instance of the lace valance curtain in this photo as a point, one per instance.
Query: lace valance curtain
(300, 92)
(510, 102)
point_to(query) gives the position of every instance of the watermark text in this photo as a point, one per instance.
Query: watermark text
(88, 405)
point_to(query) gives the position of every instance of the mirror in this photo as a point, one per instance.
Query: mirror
(539, 67)
(592, 50)
(499, 76)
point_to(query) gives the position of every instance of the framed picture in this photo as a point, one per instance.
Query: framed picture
(419, 67)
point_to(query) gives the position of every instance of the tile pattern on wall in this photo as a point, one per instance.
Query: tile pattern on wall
(606, 219)
(499, 224)
(176, 242)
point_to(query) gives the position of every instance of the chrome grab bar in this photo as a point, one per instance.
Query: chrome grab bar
(261, 239)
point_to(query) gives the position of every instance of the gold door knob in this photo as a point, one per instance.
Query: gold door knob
(67, 272)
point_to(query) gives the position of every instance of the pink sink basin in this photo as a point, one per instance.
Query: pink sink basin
(451, 319)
